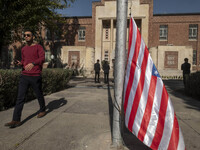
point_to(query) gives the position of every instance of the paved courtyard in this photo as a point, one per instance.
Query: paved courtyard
(80, 118)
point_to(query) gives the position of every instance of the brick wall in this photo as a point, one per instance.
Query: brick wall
(150, 2)
(178, 31)
(72, 28)
(87, 23)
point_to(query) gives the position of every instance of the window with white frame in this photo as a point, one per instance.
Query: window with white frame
(194, 57)
(193, 28)
(81, 34)
(106, 29)
(163, 32)
(107, 34)
(106, 55)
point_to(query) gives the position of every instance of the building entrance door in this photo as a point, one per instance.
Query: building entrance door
(74, 59)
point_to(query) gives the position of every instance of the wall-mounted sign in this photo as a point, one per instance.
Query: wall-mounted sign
(171, 59)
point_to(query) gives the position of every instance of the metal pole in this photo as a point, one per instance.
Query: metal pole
(119, 68)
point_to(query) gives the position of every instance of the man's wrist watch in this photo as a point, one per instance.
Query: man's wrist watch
(33, 63)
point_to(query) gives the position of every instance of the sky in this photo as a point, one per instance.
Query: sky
(176, 6)
(84, 7)
(79, 8)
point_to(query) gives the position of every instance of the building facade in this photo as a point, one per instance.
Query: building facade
(175, 37)
(104, 15)
(169, 38)
(77, 49)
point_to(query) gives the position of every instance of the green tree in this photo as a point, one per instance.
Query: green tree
(19, 14)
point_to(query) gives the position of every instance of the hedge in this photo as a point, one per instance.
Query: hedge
(53, 80)
(192, 86)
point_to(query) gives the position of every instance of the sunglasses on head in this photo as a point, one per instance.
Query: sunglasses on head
(28, 35)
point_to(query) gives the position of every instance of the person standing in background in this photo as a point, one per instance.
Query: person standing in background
(97, 71)
(186, 69)
(106, 69)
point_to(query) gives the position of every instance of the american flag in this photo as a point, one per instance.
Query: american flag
(149, 113)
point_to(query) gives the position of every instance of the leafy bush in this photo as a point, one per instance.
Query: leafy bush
(8, 87)
(192, 86)
(53, 80)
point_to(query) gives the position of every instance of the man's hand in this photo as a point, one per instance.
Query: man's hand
(18, 63)
(29, 67)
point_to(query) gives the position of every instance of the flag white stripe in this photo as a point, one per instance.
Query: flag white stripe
(154, 113)
(143, 100)
(141, 54)
(131, 54)
(169, 122)
(181, 144)
(132, 94)
(135, 81)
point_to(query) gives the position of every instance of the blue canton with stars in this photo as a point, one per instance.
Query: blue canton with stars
(155, 71)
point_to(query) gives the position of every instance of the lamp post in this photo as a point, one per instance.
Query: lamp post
(52, 61)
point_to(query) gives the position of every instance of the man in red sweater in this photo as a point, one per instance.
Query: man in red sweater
(33, 57)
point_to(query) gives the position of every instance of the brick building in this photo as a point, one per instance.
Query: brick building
(168, 46)
(67, 45)
(179, 35)
(170, 38)
(77, 42)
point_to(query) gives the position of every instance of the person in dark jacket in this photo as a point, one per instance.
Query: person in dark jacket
(97, 69)
(33, 57)
(186, 69)
(106, 69)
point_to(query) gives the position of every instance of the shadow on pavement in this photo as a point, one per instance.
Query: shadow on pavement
(132, 142)
(55, 104)
(74, 81)
(110, 106)
(29, 117)
(129, 140)
(176, 88)
(82, 79)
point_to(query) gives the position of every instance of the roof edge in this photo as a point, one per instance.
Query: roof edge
(177, 14)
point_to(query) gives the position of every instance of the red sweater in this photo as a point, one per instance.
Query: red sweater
(32, 54)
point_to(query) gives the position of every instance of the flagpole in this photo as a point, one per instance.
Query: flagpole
(119, 69)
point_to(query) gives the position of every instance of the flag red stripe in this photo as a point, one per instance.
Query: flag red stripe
(161, 120)
(147, 116)
(130, 36)
(132, 70)
(139, 90)
(173, 144)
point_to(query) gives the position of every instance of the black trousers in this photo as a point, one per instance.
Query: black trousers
(184, 78)
(96, 76)
(106, 77)
(24, 83)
